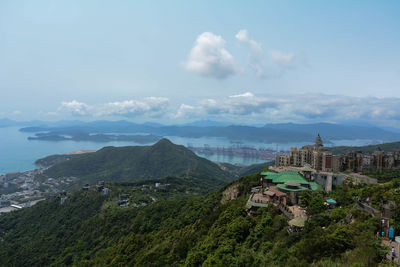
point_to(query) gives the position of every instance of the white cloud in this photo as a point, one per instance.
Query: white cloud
(274, 65)
(241, 104)
(17, 112)
(243, 36)
(183, 111)
(282, 59)
(209, 57)
(75, 107)
(150, 106)
(247, 94)
(257, 61)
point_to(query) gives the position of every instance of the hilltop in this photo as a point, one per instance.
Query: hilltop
(134, 163)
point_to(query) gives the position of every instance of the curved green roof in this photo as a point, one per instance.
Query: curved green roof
(268, 173)
(315, 186)
(288, 188)
(287, 176)
(292, 183)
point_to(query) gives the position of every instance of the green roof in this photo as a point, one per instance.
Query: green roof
(331, 201)
(292, 183)
(288, 188)
(315, 186)
(298, 221)
(294, 176)
(287, 176)
(268, 173)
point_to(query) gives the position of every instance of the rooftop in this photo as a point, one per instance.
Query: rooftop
(331, 201)
(292, 183)
(293, 189)
(287, 176)
(272, 192)
(315, 186)
(298, 221)
(307, 168)
(292, 177)
(268, 173)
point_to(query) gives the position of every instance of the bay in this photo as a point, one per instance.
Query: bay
(17, 153)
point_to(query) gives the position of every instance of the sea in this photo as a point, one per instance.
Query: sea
(17, 153)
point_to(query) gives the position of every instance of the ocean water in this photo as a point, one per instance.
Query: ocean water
(17, 153)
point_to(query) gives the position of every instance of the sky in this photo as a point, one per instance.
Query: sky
(181, 61)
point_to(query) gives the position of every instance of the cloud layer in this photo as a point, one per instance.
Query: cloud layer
(148, 107)
(303, 108)
(248, 107)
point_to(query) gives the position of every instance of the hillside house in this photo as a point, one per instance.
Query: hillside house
(288, 182)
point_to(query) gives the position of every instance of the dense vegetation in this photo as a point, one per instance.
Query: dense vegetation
(54, 159)
(384, 175)
(176, 225)
(90, 230)
(365, 149)
(163, 162)
(136, 163)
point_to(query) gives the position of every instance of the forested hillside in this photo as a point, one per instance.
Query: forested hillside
(134, 163)
(364, 149)
(89, 230)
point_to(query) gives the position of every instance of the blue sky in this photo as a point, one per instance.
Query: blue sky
(177, 61)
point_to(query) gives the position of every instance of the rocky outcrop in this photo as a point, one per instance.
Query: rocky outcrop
(230, 193)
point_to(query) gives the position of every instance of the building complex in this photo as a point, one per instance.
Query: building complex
(320, 158)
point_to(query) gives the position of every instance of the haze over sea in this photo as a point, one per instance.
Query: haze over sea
(19, 154)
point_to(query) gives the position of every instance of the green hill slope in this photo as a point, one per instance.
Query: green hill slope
(134, 163)
(370, 148)
(88, 230)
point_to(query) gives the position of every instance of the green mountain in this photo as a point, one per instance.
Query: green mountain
(134, 163)
(364, 149)
(209, 230)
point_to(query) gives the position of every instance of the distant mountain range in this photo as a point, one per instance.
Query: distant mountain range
(269, 133)
(331, 131)
(366, 149)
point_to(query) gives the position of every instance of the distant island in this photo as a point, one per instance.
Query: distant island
(140, 139)
(269, 133)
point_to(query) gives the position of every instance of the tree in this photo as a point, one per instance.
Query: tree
(316, 205)
(305, 198)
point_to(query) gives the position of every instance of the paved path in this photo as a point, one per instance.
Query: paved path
(251, 203)
(386, 242)
(298, 212)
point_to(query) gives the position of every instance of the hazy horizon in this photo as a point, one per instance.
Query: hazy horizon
(176, 62)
